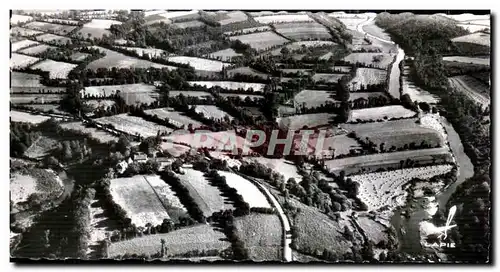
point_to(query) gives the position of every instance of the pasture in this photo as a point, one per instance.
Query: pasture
(56, 69)
(473, 88)
(379, 60)
(396, 111)
(36, 50)
(199, 63)
(416, 93)
(314, 98)
(230, 85)
(303, 31)
(366, 95)
(131, 93)
(16, 46)
(118, 60)
(189, 24)
(49, 27)
(211, 111)
(51, 38)
(34, 98)
(97, 134)
(18, 19)
(232, 17)
(261, 41)
(246, 189)
(199, 94)
(133, 125)
(474, 38)
(152, 52)
(367, 76)
(312, 120)
(283, 18)
(175, 118)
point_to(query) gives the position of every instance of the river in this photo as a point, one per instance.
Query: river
(410, 241)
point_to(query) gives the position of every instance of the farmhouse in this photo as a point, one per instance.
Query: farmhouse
(121, 167)
(140, 157)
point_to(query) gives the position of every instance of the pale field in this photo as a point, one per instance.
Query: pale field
(152, 52)
(351, 21)
(280, 166)
(475, 38)
(56, 69)
(366, 76)
(138, 199)
(41, 147)
(261, 41)
(247, 30)
(222, 140)
(36, 50)
(74, 22)
(19, 79)
(367, 59)
(207, 196)
(230, 85)
(21, 187)
(84, 32)
(199, 63)
(133, 125)
(233, 17)
(211, 111)
(283, 18)
(189, 24)
(472, 60)
(395, 111)
(303, 31)
(374, 231)
(49, 27)
(246, 189)
(16, 46)
(118, 60)
(101, 23)
(53, 38)
(300, 44)
(31, 98)
(131, 93)
(44, 182)
(246, 71)
(242, 96)
(466, 17)
(24, 31)
(18, 116)
(329, 78)
(386, 188)
(225, 54)
(314, 98)
(199, 237)
(392, 159)
(16, 18)
(97, 134)
(175, 118)
(311, 120)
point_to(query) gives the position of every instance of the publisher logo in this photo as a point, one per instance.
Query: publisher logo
(438, 239)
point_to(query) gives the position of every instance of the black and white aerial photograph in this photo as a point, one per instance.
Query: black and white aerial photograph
(206, 136)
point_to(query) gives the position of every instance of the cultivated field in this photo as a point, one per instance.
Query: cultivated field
(471, 60)
(314, 98)
(385, 189)
(97, 134)
(283, 18)
(207, 196)
(175, 118)
(199, 63)
(41, 147)
(246, 71)
(218, 140)
(248, 30)
(36, 50)
(43, 182)
(118, 60)
(396, 111)
(16, 46)
(328, 78)
(131, 93)
(225, 54)
(280, 166)
(137, 197)
(51, 38)
(303, 31)
(200, 237)
(472, 87)
(393, 159)
(262, 236)
(367, 76)
(133, 125)
(16, 19)
(230, 85)
(33, 98)
(261, 41)
(21, 61)
(246, 189)
(56, 69)
(210, 111)
(371, 59)
(19, 116)
(311, 120)
(52, 28)
(21, 31)
(475, 38)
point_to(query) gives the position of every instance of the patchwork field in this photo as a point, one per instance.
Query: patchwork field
(314, 98)
(131, 93)
(328, 78)
(133, 125)
(246, 189)
(56, 69)
(476, 60)
(207, 196)
(36, 50)
(52, 28)
(312, 120)
(225, 54)
(175, 118)
(385, 189)
(262, 40)
(118, 60)
(210, 111)
(97, 134)
(379, 60)
(51, 38)
(262, 236)
(283, 18)
(368, 76)
(396, 111)
(199, 63)
(280, 166)
(200, 237)
(303, 31)
(383, 160)
(230, 85)
(16, 46)
(18, 61)
(19, 116)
